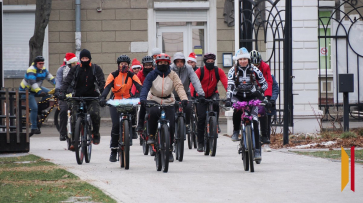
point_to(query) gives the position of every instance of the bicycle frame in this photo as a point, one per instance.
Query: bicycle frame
(179, 113)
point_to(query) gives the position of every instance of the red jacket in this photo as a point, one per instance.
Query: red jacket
(209, 82)
(265, 69)
(141, 77)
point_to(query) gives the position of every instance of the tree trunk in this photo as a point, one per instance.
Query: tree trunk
(42, 13)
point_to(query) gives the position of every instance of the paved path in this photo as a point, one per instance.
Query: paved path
(281, 177)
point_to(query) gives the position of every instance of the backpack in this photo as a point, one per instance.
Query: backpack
(74, 83)
(202, 73)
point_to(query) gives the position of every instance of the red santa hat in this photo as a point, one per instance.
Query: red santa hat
(135, 64)
(192, 57)
(70, 58)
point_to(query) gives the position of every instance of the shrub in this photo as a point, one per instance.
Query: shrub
(347, 135)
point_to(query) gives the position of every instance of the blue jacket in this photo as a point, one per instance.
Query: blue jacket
(275, 94)
(34, 77)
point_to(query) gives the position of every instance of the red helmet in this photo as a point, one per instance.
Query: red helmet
(162, 57)
(209, 56)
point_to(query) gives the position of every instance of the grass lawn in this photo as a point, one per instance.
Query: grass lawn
(334, 154)
(33, 179)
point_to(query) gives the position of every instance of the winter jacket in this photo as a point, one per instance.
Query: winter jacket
(275, 94)
(187, 76)
(86, 83)
(209, 82)
(265, 69)
(62, 73)
(158, 86)
(141, 77)
(121, 85)
(241, 84)
(34, 77)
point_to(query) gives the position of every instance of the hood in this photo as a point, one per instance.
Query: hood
(178, 55)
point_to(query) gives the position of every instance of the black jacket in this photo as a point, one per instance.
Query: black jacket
(86, 82)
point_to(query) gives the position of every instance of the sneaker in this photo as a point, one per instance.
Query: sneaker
(265, 140)
(200, 147)
(219, 129)
(96, 138)
(235, 136)
(35, 131)
(62, 137)
(258, 154)
(151, 140)
(267, 148)
(113, 155)
(140, 127)
(134, 134)
(171, 157)
(72, 148)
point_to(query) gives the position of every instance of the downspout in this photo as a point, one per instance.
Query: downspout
(78, 28)
(236, 24)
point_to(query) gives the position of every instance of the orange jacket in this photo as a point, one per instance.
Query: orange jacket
(121, 84)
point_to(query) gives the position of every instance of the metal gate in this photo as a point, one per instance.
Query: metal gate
(262, 28)
(340, 51)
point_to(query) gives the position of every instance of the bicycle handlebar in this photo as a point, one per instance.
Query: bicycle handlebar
(82, 98)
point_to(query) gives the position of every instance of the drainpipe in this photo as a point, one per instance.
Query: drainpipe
(78, 28)
(236, 24)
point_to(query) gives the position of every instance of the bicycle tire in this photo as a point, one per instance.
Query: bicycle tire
(125, 136)
(206, 140)
(190, 141)
(78, 140)
(181, 132)
(213, 136)
(56, 119)
(250, 147)
(164, 146)
(244, 153)
(145, 146)
(88, 141)
(158, 161)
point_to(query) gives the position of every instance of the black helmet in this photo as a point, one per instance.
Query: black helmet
(147, 59)
(38, 59)
(123, 58)
(209, 56)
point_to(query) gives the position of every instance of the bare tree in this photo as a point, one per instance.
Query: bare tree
(42, 13)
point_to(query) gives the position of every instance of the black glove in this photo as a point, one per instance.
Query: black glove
(201, 99)
(258, 94)
(43, 94)
(228, 104)
(115, 73)
(273, 103)
(102, 102)
(61, 96)
(56, 93)
(185, 103)
(143, 103)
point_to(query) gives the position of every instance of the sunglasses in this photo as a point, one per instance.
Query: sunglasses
(137, 68)
(41, 63)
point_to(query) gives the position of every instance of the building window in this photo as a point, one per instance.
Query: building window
(325, 43)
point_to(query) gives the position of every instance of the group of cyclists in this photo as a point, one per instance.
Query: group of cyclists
(157, 79)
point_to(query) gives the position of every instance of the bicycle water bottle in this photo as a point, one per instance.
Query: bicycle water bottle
(69, 124)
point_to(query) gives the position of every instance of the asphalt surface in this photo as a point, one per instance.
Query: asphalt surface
(281, 177)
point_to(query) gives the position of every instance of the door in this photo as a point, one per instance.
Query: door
(172, 40)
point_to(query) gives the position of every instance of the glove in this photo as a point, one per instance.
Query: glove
(258, 94)
(201, 99)
(43, 94)
(273, 103)
(102, 102)
(56, 93)
(185, 103)
(61, 96)
(228, 104)
(143, 103)
(115, 73)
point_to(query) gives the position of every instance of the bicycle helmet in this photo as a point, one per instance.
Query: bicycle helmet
(162, 57)
(147, 59)
(38, 59)
(123, 58)
(209, 56)
(255, 57)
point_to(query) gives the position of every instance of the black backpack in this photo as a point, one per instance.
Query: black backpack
(202, 73)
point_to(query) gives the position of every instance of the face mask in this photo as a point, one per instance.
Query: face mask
(147, 70)
(163, 68)
(85, 63)
(124, 69)
(209, 66)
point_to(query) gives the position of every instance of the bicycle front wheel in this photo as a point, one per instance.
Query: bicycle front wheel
(56, 118)
(78, 134)
(145, 146)
(125, 148)
(88, 141)
(180, 140)
(164, 146)
(250, 147)
(213, 136)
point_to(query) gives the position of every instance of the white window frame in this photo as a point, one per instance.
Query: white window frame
(210, 7)
(28, 9)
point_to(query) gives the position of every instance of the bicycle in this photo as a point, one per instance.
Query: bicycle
(82, 131)
(192, 137)
(179, 131)
(162, 147)
(211, 129)
(247, 145)
(126, 110)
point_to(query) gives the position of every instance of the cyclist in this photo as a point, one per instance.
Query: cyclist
(120, 81)
(158, 87)
(192, 61)
(33, 81)
(209, 76)
(135, 66)
(187, 76)
(256, 60)
(242, 86)
(87, 80)
(148, 66)
(70, 62)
